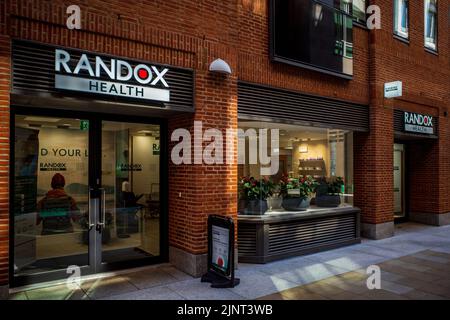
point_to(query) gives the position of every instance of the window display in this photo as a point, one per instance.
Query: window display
(315, 168)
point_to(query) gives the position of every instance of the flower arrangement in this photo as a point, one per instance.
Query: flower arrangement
(253, 189)
(330, 186)
(305, 185)
(335, 186)
(328, 192)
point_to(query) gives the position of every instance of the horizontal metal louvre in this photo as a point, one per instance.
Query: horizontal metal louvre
(246, 239)
(283, 105)
(399, 121)
(307, 234)
(33, 72)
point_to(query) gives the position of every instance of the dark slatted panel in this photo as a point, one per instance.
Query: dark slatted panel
(284, 238)
(288, 106)
(247, 239)
(33, 72)
(398, 122)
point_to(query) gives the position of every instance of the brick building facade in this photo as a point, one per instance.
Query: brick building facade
(191, 34)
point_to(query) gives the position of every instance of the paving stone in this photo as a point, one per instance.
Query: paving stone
(18, 296)
(312, 273)
(395, 287)
(196, 290)
(420, 295)
(380, 294)
(352, 286)
(385, 275)
(150, 278)
(273, 296)
(408, 272)
(155, 293)
(100, 288)
(257, 284)
(301, 294)
(60, 292)
(408, 265)
(434, 258)
(348, 296)
(434, 266)
(436, 289)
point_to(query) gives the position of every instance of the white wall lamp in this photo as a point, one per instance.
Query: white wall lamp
(220, 66)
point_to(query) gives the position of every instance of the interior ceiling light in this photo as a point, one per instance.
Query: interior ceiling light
(43, 119)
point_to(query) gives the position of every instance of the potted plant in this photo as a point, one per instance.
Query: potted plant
(328, 193)
(297, 192)
(253, 195)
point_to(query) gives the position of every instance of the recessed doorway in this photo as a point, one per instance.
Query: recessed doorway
(399, 181)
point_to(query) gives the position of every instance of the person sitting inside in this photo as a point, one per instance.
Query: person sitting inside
(57, 209)
(128, 197)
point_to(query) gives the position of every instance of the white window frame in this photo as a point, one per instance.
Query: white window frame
(430, 42)
(398, 29)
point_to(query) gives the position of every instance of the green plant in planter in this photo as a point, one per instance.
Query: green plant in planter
(335, 186)
(296, 192)
(253, 194)
(328, 192)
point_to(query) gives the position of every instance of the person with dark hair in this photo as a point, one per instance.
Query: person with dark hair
(57, 209)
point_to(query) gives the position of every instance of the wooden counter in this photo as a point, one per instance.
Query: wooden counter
(283, 234)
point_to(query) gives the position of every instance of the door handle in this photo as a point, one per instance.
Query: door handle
(90, 224)
(102, 222)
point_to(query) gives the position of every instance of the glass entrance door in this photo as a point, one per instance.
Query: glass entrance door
(50, 194)
(86, 193)
(130, 183)
(399, 174)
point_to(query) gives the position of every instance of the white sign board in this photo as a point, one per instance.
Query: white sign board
(220, 247)
(393, 89)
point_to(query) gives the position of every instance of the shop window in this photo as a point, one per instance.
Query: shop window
(430, 19)
(314, 34)
(325, 155)
(401, 18)
(359, 10)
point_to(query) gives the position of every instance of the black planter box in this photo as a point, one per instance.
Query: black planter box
(253, 207)
(328, 201)
(295, 204)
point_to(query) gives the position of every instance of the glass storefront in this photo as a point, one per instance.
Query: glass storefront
(57, 223)
(315, 157)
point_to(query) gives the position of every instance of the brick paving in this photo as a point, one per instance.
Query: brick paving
(415, 264)
(419, 276)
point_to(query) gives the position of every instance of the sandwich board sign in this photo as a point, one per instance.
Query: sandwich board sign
(220, 253)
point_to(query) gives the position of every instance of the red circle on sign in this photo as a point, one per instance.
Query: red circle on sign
(143, 74)
(425, 120)
(220, 261)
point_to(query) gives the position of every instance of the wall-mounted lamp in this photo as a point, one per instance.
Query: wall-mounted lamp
(220, 66)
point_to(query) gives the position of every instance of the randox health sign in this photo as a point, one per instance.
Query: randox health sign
(90, 73)
(418, 123)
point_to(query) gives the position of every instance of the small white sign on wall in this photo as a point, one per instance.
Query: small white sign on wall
(393, 89)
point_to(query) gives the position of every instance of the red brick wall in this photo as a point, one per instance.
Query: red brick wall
(182, 33)
(204, 189)
(255, 65)
(5, 75)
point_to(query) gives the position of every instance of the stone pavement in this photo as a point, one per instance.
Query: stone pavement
(415, 264)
